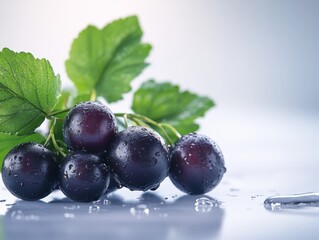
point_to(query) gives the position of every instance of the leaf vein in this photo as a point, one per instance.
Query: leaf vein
(17, 96)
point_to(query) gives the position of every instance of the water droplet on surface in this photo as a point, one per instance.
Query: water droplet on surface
(158, 154)
(69, 215)
(140, 210)
(19, 215)
(94, 209)
(96, 202)
(293, 201)
(204, 204)
(256, 196)
(71, 207)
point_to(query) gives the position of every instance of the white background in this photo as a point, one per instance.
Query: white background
(241, 53)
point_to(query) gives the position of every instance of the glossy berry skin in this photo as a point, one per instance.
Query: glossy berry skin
(83, 177)
(89, 126)
(138, 158)
(197, 164)
(30, 171)
(112, 186)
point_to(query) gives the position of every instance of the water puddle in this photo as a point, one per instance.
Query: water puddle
(293, 201)
(204, 204)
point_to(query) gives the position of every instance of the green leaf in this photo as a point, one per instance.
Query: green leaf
(7, 142)
(79, 98)
(164, 102)
(63, 100)
(70, 98)
(29, 90)
(108, 59)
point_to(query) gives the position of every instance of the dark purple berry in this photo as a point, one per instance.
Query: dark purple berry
(83, 177)
(138, 158)
(30, 171)
(89, 126)
(197, 164)
(112, 186)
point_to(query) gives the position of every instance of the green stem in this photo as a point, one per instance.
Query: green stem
(125, 120)
(136, 121)
(50, 115)
(165, 133)
(144, 121)
(93, 95)
(170, 127)
(55, 144)
(53, 139)
(47, 140)
(140, 123)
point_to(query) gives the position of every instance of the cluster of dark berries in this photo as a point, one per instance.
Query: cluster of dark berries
(102, 159)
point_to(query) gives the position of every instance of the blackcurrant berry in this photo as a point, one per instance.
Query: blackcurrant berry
(112, 186)
(83, 177)
(138, 158)
(30, 171)
(197, 164)
(89, 126)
